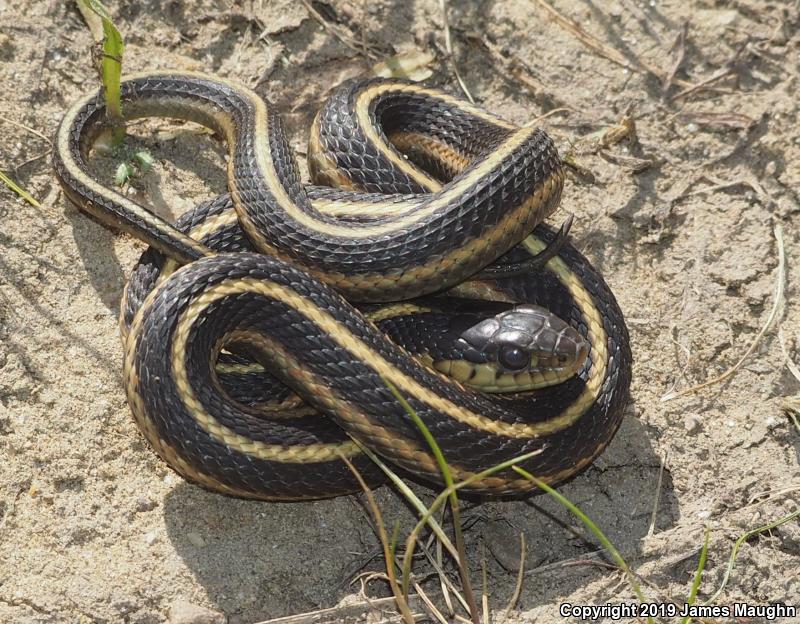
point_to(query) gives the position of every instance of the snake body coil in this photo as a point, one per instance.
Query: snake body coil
(431, 191)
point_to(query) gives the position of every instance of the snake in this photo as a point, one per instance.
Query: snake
(274, 333)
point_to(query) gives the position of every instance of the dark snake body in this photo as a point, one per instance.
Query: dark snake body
(286, 310)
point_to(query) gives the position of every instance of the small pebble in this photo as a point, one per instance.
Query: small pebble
(772, 422)
(150, 538)
(730, 423)
(195, 539)
(692, 424)
(703, 515)
(145, 504)
(183, 612)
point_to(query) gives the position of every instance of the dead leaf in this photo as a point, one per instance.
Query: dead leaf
(412, 65)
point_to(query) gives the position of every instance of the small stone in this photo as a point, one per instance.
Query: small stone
(692, 424)
(183, 612)
(150, 538)
(772, 422)
(504, 544)
(730, 423)
(195, 539)
(145, 504)
(692, 128)
(704, 515)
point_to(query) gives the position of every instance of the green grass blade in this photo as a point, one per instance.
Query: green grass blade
(698, 576)
(434, 446)
(19, 190)
(589, 524)
(427, 512)
(110, 65)
(394, 539)
(447, 475)
(413, 499)
(742, 539)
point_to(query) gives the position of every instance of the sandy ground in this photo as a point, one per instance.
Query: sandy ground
(94, 528)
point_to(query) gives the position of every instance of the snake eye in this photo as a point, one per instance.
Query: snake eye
(513, 358)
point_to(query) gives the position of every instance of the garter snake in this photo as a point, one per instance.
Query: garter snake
(431, 190)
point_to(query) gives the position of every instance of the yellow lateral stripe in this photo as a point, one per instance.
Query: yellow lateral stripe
(458, 256)
(74, 169)
(396, 309)
(210, 225)
(224, 435)
(238, 368)
(404, 452)
(346, 208)
(148, 428)
(476, 289)
(376, 316)
(267, 169)
(330, 207)
(321, 167)
(436, 150)
(597, 336)
(419, 176)
(363, 353)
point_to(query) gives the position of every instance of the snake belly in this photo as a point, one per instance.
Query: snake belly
(458, 197)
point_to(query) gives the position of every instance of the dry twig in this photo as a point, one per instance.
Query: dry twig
(448, 44)
(678, 54)
(340, 33)
(345, 612)
(520, 577)
(728, 69)
(719, 185)
(604, 49)
(719, 120)
(779, 288)
(652, 528)
(26, 128)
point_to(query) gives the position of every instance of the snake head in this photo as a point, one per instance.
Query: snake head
(524, 348)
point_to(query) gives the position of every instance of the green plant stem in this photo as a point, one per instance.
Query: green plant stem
(698, 577)
(587, 521)
(110, 65)
(742, 539)
(463, 566)
(19, 190)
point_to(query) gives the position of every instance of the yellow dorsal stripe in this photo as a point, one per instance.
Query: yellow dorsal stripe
(362, 352)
